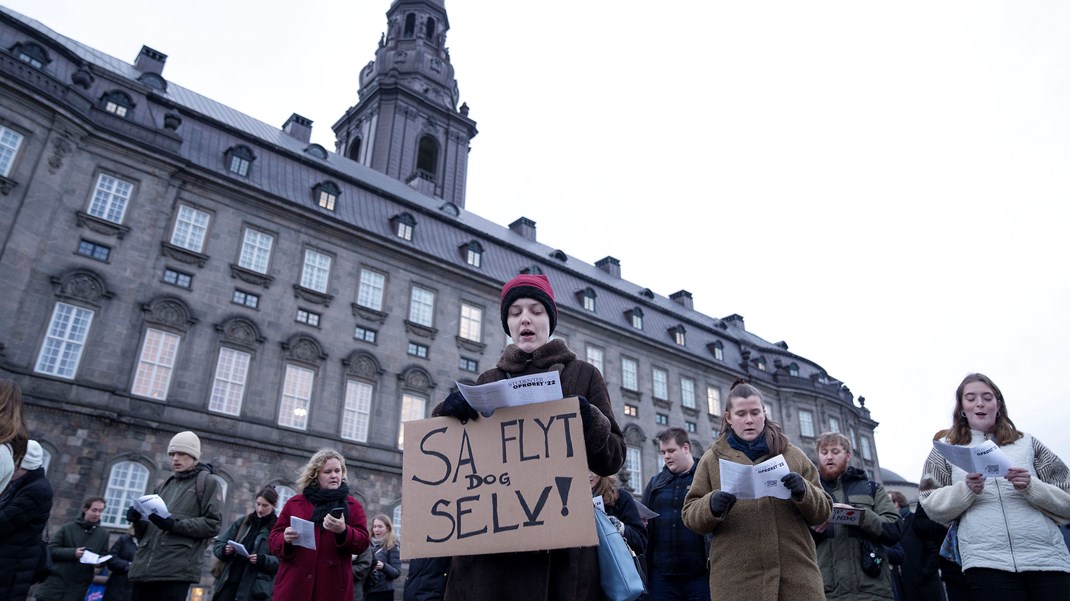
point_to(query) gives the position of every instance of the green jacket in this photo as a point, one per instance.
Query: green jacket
(257, 581)
(70, 579)
(178, 555)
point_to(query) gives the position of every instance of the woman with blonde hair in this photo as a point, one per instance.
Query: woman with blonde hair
(340, 530)
(13, 432)
(386, 561)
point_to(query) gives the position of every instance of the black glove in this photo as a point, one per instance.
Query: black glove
(132, 515)
(585, 412)
(796, 484)
(165, 524)
(721, 502)
(456, 406)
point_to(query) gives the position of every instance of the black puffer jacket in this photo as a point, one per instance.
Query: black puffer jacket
(24, 509)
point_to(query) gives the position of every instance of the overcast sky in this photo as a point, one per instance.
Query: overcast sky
(883, 186)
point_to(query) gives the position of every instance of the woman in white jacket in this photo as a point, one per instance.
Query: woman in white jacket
(1008, 527)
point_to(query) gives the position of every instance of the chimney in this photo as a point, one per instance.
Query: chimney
(525, 227)
(683, 298)
(150, 61)
(610, 266)
(735, 319)
(299, 128)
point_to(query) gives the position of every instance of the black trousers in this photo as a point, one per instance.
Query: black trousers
(999, 585)
(160, 591)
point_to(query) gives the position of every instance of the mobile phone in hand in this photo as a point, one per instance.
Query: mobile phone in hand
(338, 512)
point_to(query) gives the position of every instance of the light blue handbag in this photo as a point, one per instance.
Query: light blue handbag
(616, 562)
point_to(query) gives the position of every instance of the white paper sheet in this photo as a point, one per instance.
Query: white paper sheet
(513, 392)
(306, 532)
(755, 481)
(238, 548)
(986, 458)
(599, 502)
(91, 558)
(150, 504)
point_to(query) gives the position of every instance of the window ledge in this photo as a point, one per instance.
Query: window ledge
(420, 330)
(368, 314)
(250, 277)
(7, 185)
(185, 256)
(101, 226)
(691, 411)
(312, 296)
(470, 345)
(634, 395)
(664, 404)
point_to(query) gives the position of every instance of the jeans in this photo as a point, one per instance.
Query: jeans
(678, 588)
(1000, 585)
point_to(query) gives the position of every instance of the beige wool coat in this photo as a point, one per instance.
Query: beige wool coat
(762, 549)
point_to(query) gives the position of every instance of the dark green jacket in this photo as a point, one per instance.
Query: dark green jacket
(178, 555)
(258, 579)
(70, 578)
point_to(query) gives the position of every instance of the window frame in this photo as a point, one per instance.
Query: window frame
(629, 375)
(114, 515)
(316, 276)
(112, 199)
(291, 399)
(807, 422)
(62, 343)
(413, 406)
(226, 385)
(379, 293)
(148, 369)
(9, 150)
(355, 409)
(659, 383)
(472, 321)
(420, 309)
(687, 393)
(190, 231)
(252, 252)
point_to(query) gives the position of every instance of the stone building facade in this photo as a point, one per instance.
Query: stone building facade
(170, 263)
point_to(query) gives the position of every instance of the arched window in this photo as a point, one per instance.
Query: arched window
(32, 54)
(239, 159)
(429, 29)
(285, 494)
(410, 25)
(396, 518)
(354, 149)
(127, 481)
(117, 103)
(427, 157)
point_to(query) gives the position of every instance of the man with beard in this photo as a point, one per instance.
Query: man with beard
(852, 565)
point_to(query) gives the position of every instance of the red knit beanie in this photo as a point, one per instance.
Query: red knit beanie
(528, 286)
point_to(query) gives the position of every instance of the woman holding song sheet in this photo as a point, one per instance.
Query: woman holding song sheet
(762, 548)
(1008, 535)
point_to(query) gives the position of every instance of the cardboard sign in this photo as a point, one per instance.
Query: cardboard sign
(848, 516)
(515, 481)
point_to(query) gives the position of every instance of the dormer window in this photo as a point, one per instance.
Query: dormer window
(717, 348)
(403, 225)
(635, 317)
(239, 159)
(531, 270)
(760, 363)
(587, 297)
(153, 80)
(473, 253)
(559, 255)
(117, 103)
(647, 292)
(326, 194)
(32, 54)
(793, 370)
(317, 151)
(677, 333)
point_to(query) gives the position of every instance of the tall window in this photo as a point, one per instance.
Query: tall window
(157, 363)
(629, 373)
(10, 142)
(296, 397)
(64, 341)
(834, 424)
(806, 423)
(596, 357)
(110, 198)
(678, 336)
(412, 407)
(687, 392)
(471, 322)
(370, 294)
(191, 226)
(713, 400)
(396, 518)
(867, 449)
(427, 157)
(633, 462)
(635, 317)
(317, 270)
(357, 411)
(228, 388)
(255, 250)
(422, 306)
(126, 482)
(285, 493)
(661, 383)
(718, 350)
(589, 299)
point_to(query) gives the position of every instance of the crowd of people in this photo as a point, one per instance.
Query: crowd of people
(824, 531)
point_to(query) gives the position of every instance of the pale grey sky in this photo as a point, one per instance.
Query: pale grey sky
(883, 186)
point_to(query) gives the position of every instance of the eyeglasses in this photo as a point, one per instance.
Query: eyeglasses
(987, 397)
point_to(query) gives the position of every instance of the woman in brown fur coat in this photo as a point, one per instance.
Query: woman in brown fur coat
(529, 316)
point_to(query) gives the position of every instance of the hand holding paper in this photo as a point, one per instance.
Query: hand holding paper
(755, 481)
(91, 558)
(238, 548)
(306, 533)
(514, 392)
(986, 458)
(151, 504)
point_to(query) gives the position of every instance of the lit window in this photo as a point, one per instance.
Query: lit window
(471, 322)
(469, 365)
(691, 427)
(678, 335)
(834, 424)
(117, 103)
(631, 410)
(177, 278)
(356, 415)
(156, 364)
(473, 253)
(228, 386)
(633, 462)
(238, 160)
(126, 481)
(308, 317)
(687, 392)
(247, 299)
(403, 226)
(296, 397)
(417, 350)
(587, 298)
(316, 272)
(637, 319)
(31, 54)
(285, 494)
(94, 250)
(370, 294)
(793, 370)
(255, 250)
(325, 194)
(761, 363)
(718, 350)
(713, 400)
(412, 407)
(806, 423)
(10, 142)
(629, 372)
(867, 449)
(661, 383)
(661, 419)
(110, 198)
(191, 226)
(64, 341)
(365, 334)
(596, 357)
(422, 306)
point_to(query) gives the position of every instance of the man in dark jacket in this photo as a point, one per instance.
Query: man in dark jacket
(24, 509)
(427, 579)
(677, 565)
(171, 555)
(920, 569)
(70, 577)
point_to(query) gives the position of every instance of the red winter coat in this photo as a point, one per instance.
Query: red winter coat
(324, 574)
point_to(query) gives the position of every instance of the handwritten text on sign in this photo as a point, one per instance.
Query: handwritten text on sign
(514, 481)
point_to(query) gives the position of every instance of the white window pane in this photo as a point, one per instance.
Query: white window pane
(687, 392)
(296, 397)
(10, 142)
(713, 399)
(629, 374)
(157, 362)
(422, 306)
(412, 407)
(126, 482)
(633, 461)
(228, 388)
(806, 423)
(64, 340)
(596, 357)
(370, 294)
(191, 226)
(357, 411)
(255, 251)
(661, 384)
(471, 322)
(110, 198)
(317, 269)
